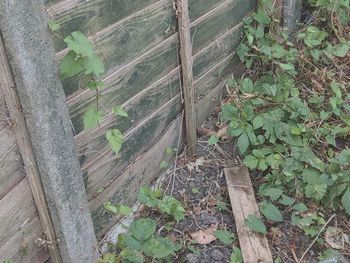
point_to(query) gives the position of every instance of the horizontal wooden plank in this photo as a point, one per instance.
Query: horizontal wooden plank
(127, 82)
(220, 19)
(142, 172)
(102, 168)
(20, 226)
(219, 49)
(215, 75)
(90, 17)
(199, 8)
(128, 39)
(11, 166)
(23, 247)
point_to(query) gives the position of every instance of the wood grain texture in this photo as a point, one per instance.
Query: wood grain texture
(186, 59)
(103, 168)
(11, 165)
(7, 87)
(90, 17)
(141, 172)
(199, 8)
(127, 82)
(254, 247)
(128, 39)
(218, 20)
(219, 49)
(20, 227)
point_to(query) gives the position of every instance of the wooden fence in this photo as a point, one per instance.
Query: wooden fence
(53, 186)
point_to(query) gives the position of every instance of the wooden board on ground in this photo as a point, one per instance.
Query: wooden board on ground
(254, 247)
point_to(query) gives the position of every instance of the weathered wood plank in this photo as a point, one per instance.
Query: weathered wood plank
(213, 94)
(19, 222)
(187, 74)
(104, 167)
(90, 17)
(125, 83)
(199, 8)
(219, 49)
(4, 118)
(142, 172)
(255, 247)
(22, 246)
(215, 75)
(220, 19)
(11, 165)
(128, 39)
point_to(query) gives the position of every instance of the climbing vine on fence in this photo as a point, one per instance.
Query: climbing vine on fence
(82, 59)
(290, 112)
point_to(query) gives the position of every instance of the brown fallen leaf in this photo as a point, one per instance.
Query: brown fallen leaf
(335, 238)
(206, 236)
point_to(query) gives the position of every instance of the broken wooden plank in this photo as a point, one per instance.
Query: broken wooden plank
(254, 247)
(183, 19)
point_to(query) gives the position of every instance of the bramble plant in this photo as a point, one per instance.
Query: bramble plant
(291, 111)
(141, 240)
(81, 59)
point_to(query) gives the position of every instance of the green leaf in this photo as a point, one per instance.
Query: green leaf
(243, 143)
(261, 17)
(119, 111)
(228, 111)
(163, 164)
(148, 197)
(53, 25)
(124, 210)
(93, 65)
(247, 86)
(93, 85)
(346, 201)
(110, 207)
(92, 118)
(273, 193)
(131, 256)
(213, 140)
(258, 122)
(251, 161)
(159, 247)
(172, 207)
(80, 44)
(300, 207)
(287, 66)
(169, 150)
(286, 200)
(71, 65)
(115, 139)
(143, 229)
(341, 50)
(236, 256)
(224, 236)
(270, 211)
(255, 224)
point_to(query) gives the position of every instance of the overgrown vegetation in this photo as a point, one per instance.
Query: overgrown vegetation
(81, 59)
(290, 113)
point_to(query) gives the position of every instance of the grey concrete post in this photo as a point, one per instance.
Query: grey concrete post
(23, 25)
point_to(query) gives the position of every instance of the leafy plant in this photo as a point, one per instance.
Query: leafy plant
(255, 224)
(224, 236)
(82, 59)
(236, 256)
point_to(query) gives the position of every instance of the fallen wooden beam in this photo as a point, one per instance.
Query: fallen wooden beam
(254, 247)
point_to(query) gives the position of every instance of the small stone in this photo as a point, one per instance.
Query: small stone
(192, 258)
(217, 255)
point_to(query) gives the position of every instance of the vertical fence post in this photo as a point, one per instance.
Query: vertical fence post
(183, 18)
(30, 52)
(13, 105)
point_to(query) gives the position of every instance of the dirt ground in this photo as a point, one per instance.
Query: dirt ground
(200, 184)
